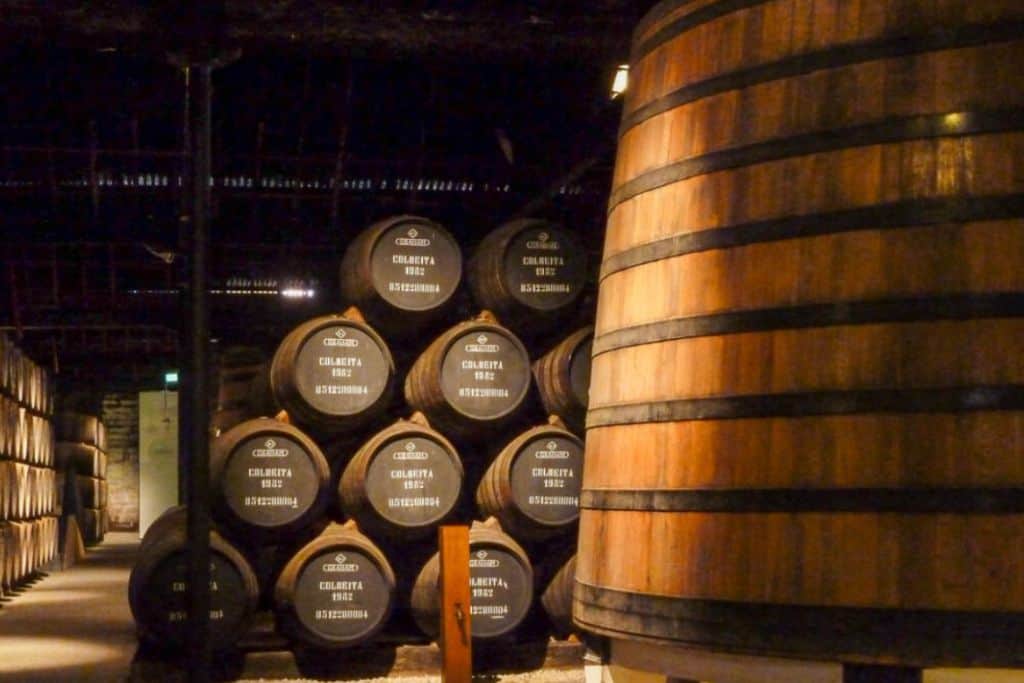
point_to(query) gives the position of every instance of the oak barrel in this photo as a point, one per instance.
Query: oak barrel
(471, 379)
(808, 373)
(401, 272)
(530, 272)
(532, 487)
(336, 591)
(556, 599)
(563, 378)
(76, 427)
(333, 374)
(403, 482)
(500, 579)
(158, 589)
(268, 479)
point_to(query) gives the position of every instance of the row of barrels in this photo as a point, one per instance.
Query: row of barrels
(81, 462)
(24, 547)
(22, 380)
(337, 590)
(269, 480)
(26, 491)
(334, 375)
(405, 272)
(24, 435)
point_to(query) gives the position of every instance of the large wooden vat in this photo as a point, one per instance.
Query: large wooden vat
(805, 433)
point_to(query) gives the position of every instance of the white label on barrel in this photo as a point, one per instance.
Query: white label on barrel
(500, 591)
(336, 607)
(545, 478)
(544, 269)
(415, 269)
(484, 375)
(269, 481)
(341, 371)
(413, 481)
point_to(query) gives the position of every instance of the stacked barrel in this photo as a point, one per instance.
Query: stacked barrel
(81, 460)
(427, 400)
(28, 483)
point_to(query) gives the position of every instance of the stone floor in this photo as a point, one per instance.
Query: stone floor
(72, 626)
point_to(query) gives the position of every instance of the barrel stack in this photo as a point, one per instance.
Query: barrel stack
(81, 461)
(809, 337)
(333, 495)
(28, 481)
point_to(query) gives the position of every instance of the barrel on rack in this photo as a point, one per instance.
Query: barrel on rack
(333, 374)
(243, 387)
(563, 378)
(86, 460)
(533, 486)
(471, 379)
(401, 273)
(500, 579)
(268, 479)
(807, 390)
(336, 591)
(403, 482)
(158, 590)
(530, 272)
(76, 428)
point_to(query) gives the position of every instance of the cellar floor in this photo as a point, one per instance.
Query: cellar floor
(73, 625)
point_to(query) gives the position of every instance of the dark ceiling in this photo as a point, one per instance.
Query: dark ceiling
(327, 116)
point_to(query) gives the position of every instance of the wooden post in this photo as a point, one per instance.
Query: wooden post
(456, 651)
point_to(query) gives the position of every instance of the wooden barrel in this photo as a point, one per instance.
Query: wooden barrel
(807, 374)
(563, 378)
(557, 599)
(336, 591)
(158, 591)
(403, 482)
(76, 427)
(333, 374)
(268, 479)
(530, 272)
(501, 585)
(401, 272)
(471, 379)
(533, 486)
(85, 459)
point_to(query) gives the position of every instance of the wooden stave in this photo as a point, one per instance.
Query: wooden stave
(222, 450)
(494, 496)
(76, 427)
(285, 393)
(422, 386)
(554, 385)
(174, 542)
(357, 282)
(351, 490)
(621, 614)
(485, 278)
(335, 536)
(425, 596)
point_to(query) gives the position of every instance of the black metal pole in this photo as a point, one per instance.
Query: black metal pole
(199, 652)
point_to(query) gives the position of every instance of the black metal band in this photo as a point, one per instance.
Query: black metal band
(891, 130)
(959, 37)
(953, 307)
(805, 404)
(683, 24)
(896, 215)
(912, 637)
(867, 500)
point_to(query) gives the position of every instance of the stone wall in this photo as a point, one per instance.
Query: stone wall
(121, 417)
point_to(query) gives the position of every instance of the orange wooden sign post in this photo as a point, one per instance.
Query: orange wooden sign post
(456, 650)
